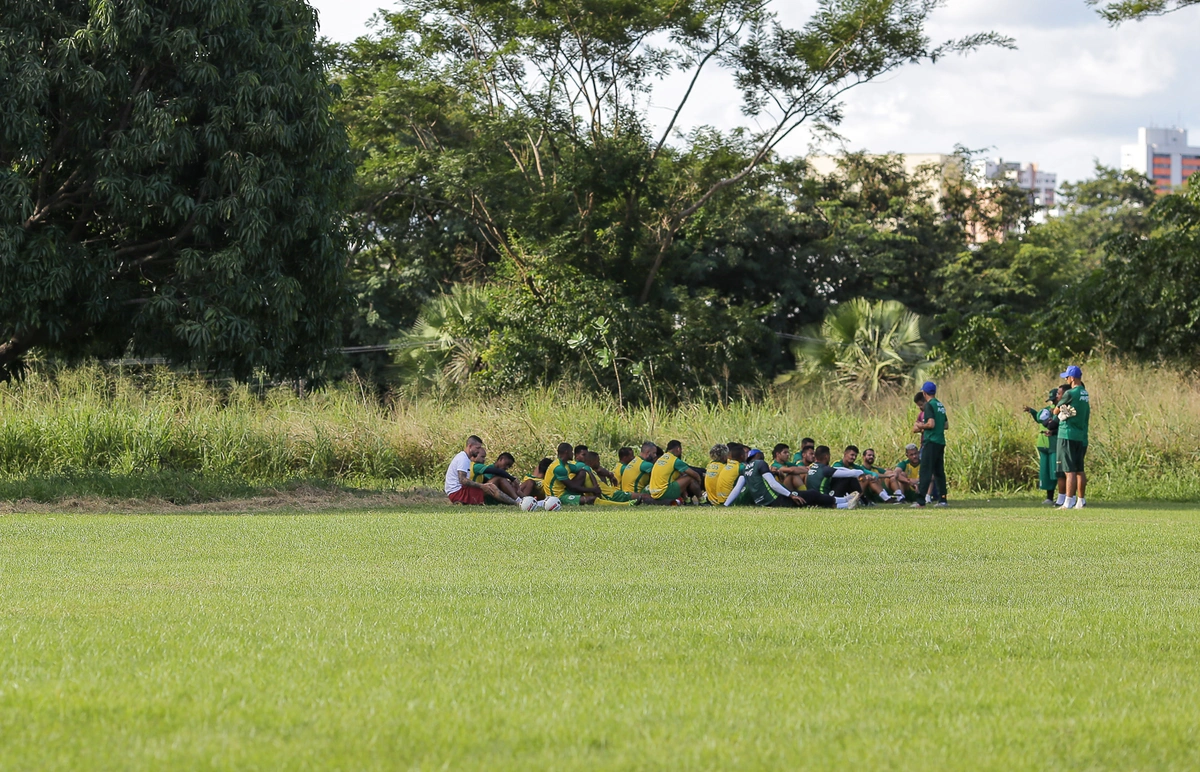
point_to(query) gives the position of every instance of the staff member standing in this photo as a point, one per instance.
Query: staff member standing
(932, 484)
(1074, 412)
(1047, 446)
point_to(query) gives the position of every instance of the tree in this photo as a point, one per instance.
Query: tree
(1117, 11)
(170, 178)
(441, 349)
(1147, 296)
(510, 144)
(866, 346)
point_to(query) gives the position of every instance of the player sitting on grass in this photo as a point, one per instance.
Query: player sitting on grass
(531, 484)
(871, 483)
(610, 495)
(672, 479)
(908, 472)
(789, 475)
(729, 474)
(497, 473)
(718, 455)
(581, 456)
(824, 478)
(808, 443)
(758, 487)
(461, 489)
(565, 480)
(635, 473)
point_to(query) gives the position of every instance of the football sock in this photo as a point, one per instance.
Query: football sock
(1062, 497)
(1082, 501)
(1070, 501)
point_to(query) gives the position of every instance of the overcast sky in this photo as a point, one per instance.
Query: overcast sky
(1072, 93)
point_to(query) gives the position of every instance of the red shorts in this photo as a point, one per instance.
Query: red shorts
(466, 495)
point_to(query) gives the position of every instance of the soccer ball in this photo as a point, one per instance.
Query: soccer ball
(527, 503)
(552, 504)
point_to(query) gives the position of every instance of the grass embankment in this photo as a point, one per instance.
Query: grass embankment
(668, 639)
(91, 431)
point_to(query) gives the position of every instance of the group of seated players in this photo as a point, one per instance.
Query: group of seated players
(736, 475)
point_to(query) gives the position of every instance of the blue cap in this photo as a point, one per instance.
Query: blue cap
(1072, 372)
(929, 387)
(753, 451)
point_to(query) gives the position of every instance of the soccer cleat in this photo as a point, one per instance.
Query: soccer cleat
(853, 500)
(917, 505)
(538, 506)
(1049, 501)
(942, 504)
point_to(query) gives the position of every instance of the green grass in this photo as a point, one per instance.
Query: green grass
(992, 637)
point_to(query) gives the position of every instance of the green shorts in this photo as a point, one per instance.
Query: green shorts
(672, 492)
(1070, 455)
(620, 496)
(570, 499)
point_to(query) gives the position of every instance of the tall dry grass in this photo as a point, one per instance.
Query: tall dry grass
(1145, 440)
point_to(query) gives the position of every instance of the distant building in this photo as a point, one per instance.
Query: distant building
(1164, 156)
(1026, 176)
(945, 166)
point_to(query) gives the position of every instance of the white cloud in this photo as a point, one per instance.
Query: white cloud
(1074, 91)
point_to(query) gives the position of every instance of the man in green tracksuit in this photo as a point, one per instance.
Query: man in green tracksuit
(1047, 446)
(1074, 412)
(932, 485)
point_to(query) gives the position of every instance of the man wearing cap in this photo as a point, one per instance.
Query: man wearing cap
(1074, 411)
(932, 485)
(1047, 446)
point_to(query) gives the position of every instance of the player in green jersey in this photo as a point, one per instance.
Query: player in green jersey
(871, 483)
(1047, 448)
(1074, 412)
(932, 484)
(789, 475)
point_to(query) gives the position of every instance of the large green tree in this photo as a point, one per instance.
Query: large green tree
(1148, 296)
(512, 143)
(170, 175)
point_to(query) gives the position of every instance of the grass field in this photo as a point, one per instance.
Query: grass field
(992, 637)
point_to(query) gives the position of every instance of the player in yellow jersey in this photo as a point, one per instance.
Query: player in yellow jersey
(672, 479)
(610, 495)
(728, 476)
(718, 456)
(566, 481)
(635, 475)
(531, 484)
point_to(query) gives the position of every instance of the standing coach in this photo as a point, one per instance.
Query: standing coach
(1074, 412)
(932, 485)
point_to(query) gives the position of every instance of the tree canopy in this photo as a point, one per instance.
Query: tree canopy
(170, 183)
(1117, 11)
(510, 144)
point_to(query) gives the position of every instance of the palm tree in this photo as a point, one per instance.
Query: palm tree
(436, 350)
(866, 346)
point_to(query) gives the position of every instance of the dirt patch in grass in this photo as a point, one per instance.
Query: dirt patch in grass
(304, 498)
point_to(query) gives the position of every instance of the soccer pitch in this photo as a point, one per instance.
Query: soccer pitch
(980, 637)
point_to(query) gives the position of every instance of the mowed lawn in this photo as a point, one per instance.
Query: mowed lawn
(985, 637)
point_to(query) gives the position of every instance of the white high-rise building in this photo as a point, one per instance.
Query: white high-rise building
(1164, 156)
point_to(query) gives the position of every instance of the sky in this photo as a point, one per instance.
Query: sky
(1072, 93)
